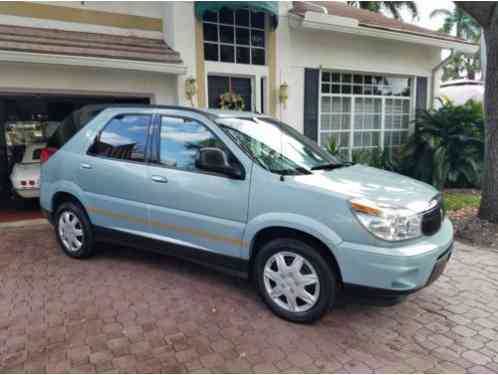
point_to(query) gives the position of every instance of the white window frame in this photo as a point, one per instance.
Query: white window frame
(382, 130)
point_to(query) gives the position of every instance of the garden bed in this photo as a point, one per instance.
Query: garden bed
(462, 207)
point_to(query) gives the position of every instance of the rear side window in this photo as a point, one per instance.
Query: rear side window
(71, 125)
(124, 137)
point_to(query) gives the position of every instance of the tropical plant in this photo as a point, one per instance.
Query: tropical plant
(386, 158)
(446, 149)
(460, 24)
(232, 101)
(392, 8)
(332, 147)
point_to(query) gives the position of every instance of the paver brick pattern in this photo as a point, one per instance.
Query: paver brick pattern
(132, 311)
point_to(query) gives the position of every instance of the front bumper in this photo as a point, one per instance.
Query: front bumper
(399, 270)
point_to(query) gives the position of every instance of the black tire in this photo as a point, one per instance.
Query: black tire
(88, 242)
(325, 273)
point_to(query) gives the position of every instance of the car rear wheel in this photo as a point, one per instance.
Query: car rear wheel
(74, 231)
(294, 280)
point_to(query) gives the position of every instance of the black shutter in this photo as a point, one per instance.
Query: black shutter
(4, 161)
(311, 97)
(421, 95)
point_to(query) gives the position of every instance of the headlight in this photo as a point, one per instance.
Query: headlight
(388, 223)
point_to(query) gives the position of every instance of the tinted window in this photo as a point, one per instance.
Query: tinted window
(181, 140)
(124, 137)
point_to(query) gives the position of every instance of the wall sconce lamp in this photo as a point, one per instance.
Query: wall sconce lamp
(283, 93)
(190, 89)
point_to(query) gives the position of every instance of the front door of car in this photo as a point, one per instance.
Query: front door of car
(191, 207)
(113, 175)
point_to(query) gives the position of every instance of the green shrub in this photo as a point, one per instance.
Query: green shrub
(447, 146)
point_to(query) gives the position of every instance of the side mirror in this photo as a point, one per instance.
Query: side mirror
(213, 159)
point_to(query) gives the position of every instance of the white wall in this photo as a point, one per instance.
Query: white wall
(332, 50)
(34, 78)
(179, 34)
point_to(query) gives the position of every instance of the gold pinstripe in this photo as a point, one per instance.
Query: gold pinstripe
(192, 231)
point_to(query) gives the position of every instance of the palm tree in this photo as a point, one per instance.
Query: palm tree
(458, 23)
(390, 7)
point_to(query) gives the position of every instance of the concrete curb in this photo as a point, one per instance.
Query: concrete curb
(24, 223)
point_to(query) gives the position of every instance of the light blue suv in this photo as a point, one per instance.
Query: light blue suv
(244, 193)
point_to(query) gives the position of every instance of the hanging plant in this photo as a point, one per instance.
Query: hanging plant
(232, 101)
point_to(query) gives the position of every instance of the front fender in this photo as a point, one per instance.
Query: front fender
(290, 221)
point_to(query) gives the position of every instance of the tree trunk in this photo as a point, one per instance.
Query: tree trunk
(489, 203)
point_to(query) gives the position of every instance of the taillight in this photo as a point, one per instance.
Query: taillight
(46, 153)
(23, 183)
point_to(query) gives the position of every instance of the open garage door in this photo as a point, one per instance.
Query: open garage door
(26, 122)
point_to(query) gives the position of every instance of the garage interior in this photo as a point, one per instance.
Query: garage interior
(31, 118)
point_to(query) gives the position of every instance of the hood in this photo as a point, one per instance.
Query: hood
(379, 186)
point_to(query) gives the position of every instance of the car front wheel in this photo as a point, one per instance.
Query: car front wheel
(294, 280)
(74, 231)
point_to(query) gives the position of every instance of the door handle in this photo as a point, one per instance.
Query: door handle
(160, 179)
(85, 166)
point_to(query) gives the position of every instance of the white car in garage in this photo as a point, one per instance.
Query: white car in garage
(25, 176)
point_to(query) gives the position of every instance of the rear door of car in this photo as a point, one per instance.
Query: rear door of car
(113, 173)
(200, 210)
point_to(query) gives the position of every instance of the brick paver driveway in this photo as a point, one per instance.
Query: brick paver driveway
(130, 311)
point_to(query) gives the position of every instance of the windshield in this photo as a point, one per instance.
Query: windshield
(276, 146)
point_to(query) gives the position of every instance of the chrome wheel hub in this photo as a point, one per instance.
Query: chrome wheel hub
(291, 281)
(70, 231)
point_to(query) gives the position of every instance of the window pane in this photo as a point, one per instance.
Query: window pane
(325, 89)
(226, 16)
(181, 141)
(326, 104)
(227, 53)
(210, 52)
(226, 34)
(358, 78)
(123, 138)
(336, 77)
(242, 55)
(210, 32)
(336, 89)
(242, 36)
(336, 104)
(325, 122)
(242, 17)
(258, 56)
(258, 20)
(258, 38)
(211, 16)
(346, 89)
(326, 77)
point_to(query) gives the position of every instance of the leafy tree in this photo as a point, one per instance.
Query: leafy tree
(458, 23)
(392, 8)
(486, 15)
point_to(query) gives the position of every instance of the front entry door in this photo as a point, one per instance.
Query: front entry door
(219, 85)
(190, 207)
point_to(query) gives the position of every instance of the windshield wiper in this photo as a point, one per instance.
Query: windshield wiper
(293, 171)
(331, 166)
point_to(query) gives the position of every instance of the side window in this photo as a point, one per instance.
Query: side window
(181, 140)
(124, 137)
